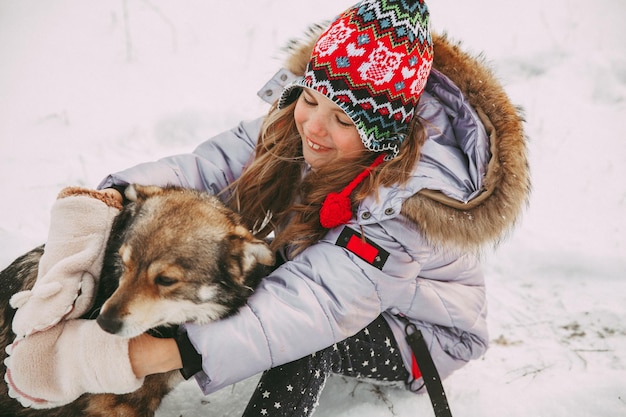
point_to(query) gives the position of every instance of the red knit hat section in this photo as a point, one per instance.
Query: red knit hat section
(373, 62)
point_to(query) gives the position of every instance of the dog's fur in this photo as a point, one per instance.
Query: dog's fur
(174, 256)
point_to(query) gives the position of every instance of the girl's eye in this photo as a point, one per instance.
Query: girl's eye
(344, 123)
(308, 101)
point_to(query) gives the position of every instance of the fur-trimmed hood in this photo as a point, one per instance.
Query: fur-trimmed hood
(504, 186)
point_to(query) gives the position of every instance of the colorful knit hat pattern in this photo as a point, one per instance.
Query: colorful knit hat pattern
(373, 62)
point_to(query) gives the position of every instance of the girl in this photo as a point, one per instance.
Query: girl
(379, 179)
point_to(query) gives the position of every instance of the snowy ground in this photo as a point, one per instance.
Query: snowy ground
(87, 88)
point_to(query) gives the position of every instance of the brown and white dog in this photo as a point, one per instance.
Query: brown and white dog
(174, 256)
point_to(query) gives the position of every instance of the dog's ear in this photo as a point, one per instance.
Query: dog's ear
(252, 252)
(259, 252)
(136, 192)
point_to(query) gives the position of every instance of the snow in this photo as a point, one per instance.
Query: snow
(88, 88)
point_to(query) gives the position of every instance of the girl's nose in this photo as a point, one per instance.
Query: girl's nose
(317, 124)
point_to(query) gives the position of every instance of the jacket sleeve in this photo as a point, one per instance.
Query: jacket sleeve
(210, 167)
(322, 296)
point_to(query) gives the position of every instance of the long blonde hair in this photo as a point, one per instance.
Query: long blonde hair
(274, 182)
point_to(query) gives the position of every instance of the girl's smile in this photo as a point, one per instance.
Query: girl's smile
(315, 146)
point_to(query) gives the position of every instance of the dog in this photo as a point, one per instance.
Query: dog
(174, 256)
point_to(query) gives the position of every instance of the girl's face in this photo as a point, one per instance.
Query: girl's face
(328, 134)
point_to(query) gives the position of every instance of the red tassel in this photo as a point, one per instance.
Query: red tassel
(336, 210)
(337, 207)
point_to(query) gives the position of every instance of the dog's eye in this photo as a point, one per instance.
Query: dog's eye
(164, 281)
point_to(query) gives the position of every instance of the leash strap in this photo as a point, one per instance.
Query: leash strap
(428, 369)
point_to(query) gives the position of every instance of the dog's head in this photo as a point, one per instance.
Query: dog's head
(184, 257)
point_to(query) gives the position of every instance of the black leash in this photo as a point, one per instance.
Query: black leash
(428, 369)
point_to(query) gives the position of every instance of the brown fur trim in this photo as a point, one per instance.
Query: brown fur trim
(80, 191)
(491, 215)
(299, 50)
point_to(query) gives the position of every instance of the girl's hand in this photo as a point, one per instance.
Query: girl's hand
(69, 269)
(55, 367)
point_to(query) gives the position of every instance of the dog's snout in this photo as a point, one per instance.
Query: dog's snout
(109, 324)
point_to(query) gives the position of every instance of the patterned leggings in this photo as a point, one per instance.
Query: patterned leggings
(294, 389)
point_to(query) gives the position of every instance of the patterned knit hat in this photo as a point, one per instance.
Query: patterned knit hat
(373, 61)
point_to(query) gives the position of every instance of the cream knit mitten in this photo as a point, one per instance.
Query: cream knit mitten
(70, 267)
(54, 367)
